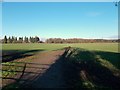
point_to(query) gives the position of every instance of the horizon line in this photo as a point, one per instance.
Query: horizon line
(107, 38)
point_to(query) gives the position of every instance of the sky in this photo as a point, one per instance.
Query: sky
(0, 20)
(60, 19)
(59, 0)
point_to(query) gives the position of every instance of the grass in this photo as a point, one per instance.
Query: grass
(11, 68)
(97, 61)
(32, 46)
(111, 47)
(15, 51)
(92, 71)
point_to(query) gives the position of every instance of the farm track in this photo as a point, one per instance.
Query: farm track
(51, 75)
(44, 71)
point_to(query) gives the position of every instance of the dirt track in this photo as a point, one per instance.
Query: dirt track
(52, 76)
(47, 71)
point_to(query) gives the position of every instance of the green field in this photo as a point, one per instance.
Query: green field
(95, 62)
(108, 51)
(111, 47)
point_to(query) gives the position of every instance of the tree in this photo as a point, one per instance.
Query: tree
(26, 39)
(5, 39)
(15, 40)
(12, 38)
(20, 39)
(30, 39)
(9, 40)
(36, 39)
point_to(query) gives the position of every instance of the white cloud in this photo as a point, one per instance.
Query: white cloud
(112, 37)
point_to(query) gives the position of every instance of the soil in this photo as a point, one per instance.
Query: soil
(45, 70)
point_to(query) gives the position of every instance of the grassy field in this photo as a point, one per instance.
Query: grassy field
(108, 51)
(111, 47)
(95, 62)
(93, 69)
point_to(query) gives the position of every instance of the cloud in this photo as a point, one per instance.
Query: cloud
(94, 14)
(113, 37)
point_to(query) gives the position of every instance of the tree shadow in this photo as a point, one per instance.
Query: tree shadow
(85, 71)
(10, 55)
(23, 76)
(111, 57)
(52, 77)
(79, 68)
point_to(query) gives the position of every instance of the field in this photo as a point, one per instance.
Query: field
(94, 65)
(111, 47)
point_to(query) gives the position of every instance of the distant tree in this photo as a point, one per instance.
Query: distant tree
(77, 40)
(15, 40)
(26, 39)
(20, 39)
(36, 39)
(41, 42)
(5, 39)
(30, 39)
(9, 40)
(33, 40)
(12, 39)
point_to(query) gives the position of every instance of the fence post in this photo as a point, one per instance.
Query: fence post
(22, 72)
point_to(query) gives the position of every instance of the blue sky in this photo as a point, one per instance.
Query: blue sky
(0, 19)
(60, 20)
(60, 0)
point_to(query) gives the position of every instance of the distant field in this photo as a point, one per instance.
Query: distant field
(110, 47)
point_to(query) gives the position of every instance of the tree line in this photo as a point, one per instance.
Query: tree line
(25, 39)
(78, 40)
(36, 39)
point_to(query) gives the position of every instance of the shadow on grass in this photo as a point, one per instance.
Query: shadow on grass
(52, 77)
(111, 57)
(85, 70)
(10, 55)
(80, 69)
(25, 74)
